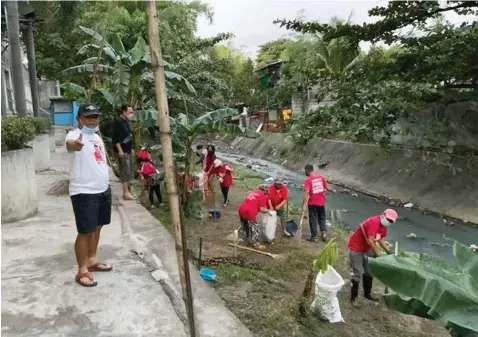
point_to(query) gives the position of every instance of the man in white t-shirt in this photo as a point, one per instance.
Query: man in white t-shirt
(90, 192)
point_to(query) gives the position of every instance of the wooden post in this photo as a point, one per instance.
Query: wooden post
(168, 160)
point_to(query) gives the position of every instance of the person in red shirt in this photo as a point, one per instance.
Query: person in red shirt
(315, 186)
(255, 202)
(151, 174)
(209, 166)
(224, 172)
(362, 244)
(277, 197)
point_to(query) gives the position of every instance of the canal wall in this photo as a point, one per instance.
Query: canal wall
(437, 182)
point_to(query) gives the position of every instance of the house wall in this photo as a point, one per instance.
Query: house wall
(47, 89)
(7, 81)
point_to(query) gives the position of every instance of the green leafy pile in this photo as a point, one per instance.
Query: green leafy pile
(429, 288)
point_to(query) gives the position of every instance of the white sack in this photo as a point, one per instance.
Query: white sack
(267, 226)
(326, 304)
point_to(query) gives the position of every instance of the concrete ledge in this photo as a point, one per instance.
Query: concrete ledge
(153, 243)
(19, 188)
(41, 152)
(419, 177)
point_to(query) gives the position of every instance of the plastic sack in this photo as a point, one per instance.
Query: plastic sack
(267, 226)
(326, 304)
(198, 181)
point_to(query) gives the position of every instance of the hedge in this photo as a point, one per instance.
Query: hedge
(17, 132)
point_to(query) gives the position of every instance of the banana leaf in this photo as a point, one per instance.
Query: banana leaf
(430, 288)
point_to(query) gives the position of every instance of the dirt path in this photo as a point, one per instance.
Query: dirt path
(264, 293)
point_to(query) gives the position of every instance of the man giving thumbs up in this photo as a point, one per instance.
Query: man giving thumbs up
(89, 191)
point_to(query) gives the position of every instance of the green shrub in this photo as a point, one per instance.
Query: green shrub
(42, 125)
(17, 132)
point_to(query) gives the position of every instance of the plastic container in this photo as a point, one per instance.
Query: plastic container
(215, 213)
(208, 274)
(291, 227)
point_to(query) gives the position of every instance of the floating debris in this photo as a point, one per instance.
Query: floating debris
(408, 205)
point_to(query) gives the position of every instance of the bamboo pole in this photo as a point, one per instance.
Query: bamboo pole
(168, 160)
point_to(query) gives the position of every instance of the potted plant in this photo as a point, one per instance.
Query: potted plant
(41, 143)
(19, 190)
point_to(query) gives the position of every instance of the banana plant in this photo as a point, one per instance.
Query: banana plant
(127, 74)
(186, 130)
(432, 289)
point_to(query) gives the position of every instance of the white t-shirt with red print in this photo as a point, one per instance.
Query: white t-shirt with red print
(88, 167)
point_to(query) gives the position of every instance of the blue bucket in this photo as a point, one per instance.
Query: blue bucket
(291, 227)
(207, 274)
(215, 213)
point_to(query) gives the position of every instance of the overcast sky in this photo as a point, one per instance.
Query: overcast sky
(251, 21)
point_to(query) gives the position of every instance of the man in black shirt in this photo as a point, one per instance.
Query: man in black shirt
(123, 141)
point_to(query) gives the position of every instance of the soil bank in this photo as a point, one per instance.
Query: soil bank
(436, 182)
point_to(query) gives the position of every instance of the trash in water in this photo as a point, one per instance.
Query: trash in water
(411, 236)
(269, 179)
(408, 205)
(474, 248)
(354, 194)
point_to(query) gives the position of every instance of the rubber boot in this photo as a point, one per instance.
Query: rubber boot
(354, 293)
(367, 288)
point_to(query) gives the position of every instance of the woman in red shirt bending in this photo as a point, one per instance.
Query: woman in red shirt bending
(255, 202)
(152, 178)
(209, 166)
(224, 172)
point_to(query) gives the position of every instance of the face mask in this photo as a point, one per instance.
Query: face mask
(89, 131)
(129, 117)
(385, 222)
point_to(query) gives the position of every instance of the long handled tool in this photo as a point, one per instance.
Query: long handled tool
(299, 237)
(386, 291)
(274, 256)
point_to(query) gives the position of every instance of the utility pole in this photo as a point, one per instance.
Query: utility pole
(32, 67)
(13, 27)
(168, 161)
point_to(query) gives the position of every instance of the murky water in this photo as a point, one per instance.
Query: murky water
(432, 232)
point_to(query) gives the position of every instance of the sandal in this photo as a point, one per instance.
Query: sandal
(133, 197)
(83, 284)
(100, 266)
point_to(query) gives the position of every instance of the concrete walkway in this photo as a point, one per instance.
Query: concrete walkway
(140, 297)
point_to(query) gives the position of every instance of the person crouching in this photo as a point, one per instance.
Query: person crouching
(255, 202)
(152, 178)
(277, 198)
(362, 244)
(224, 172)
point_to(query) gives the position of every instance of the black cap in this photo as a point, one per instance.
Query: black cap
(88, 109)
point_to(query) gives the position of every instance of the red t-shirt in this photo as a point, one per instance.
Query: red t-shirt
(372, 227)
(277, 196)
(225, 172)
(251, 206)
(143, 154)
(316, 185)
(147, 170)
(210, 158)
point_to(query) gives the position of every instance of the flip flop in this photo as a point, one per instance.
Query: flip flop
(87, 285)
(97, 267)
(133, 197)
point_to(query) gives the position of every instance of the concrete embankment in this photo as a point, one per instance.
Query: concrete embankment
(432, 181)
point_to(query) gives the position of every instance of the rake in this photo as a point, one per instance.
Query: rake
(274, 256)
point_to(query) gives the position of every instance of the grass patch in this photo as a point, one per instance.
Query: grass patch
(247, 179)
(164, 216)
(228, 274)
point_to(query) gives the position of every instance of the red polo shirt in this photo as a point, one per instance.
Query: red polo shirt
(316, 186)
(372, 227)
(277, 196)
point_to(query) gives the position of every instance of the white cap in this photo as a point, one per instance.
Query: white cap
(217, 163)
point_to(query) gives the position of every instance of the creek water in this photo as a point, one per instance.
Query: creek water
(434, 235)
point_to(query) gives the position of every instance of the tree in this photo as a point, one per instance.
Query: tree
(271, 51)
(432, 289)
(430, 54)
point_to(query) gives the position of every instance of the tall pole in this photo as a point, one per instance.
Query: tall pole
(13, 26)
(32, 67)
(168, 161)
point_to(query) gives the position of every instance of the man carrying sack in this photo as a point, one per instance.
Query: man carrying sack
(362, 244)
